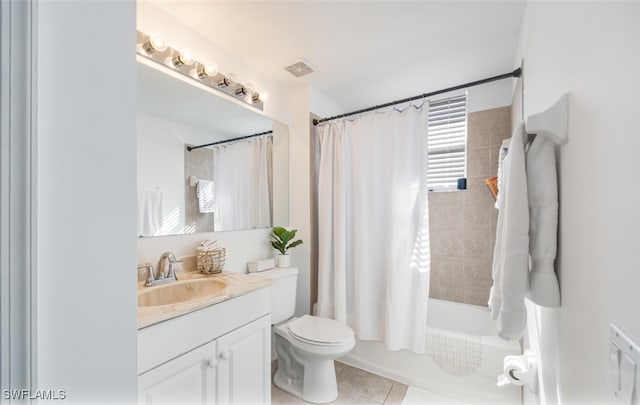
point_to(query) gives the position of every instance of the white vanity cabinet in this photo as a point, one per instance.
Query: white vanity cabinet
(243, 358)
(219, 354)
(233, 369)
(188, 379)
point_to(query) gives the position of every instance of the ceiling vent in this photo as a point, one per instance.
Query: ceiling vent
(299, 68)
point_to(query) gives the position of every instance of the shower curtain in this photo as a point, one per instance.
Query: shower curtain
(242, 174)
(373, 226)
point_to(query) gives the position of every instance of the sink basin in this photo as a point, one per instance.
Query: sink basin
(180, 291)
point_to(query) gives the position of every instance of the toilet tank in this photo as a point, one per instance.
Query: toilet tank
(283, 292)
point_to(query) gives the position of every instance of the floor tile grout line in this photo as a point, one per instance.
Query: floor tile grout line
(388, 393)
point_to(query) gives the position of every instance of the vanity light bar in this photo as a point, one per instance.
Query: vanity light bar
(155, 48)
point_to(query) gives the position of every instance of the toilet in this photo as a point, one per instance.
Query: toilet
(306, 346)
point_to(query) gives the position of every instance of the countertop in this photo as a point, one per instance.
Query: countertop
(236, 284)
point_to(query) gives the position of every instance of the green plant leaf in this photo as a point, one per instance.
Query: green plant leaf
(278, 247)
(287, 236)
(294, 244)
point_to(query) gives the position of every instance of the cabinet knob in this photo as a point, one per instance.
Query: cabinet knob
(212, 363)
(224, 355)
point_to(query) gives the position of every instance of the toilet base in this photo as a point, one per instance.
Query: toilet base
(317, 384)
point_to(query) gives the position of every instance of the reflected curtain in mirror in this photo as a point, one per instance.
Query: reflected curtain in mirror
(242, 177)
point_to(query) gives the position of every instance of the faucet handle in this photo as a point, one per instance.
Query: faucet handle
(145, 266)
(150, 277)
(172, 272)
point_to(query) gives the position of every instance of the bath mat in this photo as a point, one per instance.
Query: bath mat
(417, 396)
(455, 353)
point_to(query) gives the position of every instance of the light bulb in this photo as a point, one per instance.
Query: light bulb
(210, 68)
(260, 97)
(207, 70)
(250, 87)
(155, 43)
(185, 57)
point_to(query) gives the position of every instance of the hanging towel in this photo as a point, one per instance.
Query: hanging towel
(526, 234)
(149, 212)
(504, 148)
(542, 185)
(511, 255)
(204, 191)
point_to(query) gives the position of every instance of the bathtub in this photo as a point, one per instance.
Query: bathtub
(463, 360)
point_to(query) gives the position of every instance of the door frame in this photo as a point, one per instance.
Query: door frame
(18, 192)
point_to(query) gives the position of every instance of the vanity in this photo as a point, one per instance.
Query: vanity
(205, 339)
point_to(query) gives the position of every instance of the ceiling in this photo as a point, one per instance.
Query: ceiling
(364, 52)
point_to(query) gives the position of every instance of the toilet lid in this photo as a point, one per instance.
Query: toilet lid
(320, 330)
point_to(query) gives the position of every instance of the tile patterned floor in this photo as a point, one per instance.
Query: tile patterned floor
(355, 386)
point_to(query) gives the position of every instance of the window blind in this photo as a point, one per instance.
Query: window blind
(447, 142)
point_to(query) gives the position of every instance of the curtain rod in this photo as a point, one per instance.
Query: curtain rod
(515, 73)
(190, 148)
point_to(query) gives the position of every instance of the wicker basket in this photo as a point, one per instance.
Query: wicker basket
(210, 258)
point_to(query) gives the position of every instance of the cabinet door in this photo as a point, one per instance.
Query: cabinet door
(244, 367)
(188, 379)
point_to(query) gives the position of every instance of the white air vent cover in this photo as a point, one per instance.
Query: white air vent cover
(299, 68)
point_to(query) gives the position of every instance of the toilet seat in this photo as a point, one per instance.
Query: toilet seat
(320, 331)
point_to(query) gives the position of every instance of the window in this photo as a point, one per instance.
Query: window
(447, 140)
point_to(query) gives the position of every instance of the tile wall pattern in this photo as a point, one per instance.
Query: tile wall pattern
(463, 224)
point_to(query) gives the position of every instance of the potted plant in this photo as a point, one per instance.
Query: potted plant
(282, 241)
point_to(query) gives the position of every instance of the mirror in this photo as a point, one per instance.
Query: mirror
(233, 185)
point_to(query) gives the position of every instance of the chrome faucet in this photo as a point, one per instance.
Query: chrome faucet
(170, 274)
(163, 276)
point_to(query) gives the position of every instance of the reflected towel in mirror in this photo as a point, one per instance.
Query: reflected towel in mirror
(149, 212)
(205, 196)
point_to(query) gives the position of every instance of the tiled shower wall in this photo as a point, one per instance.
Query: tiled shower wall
(463, 223)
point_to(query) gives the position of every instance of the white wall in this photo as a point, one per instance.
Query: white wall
(241, 247)
(592, 51)
(280, 180)
(321, 105)
(490, 95)
(484, 97)
(299, 197)
(86, 198)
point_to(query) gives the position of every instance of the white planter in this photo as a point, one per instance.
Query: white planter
(284, 260)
